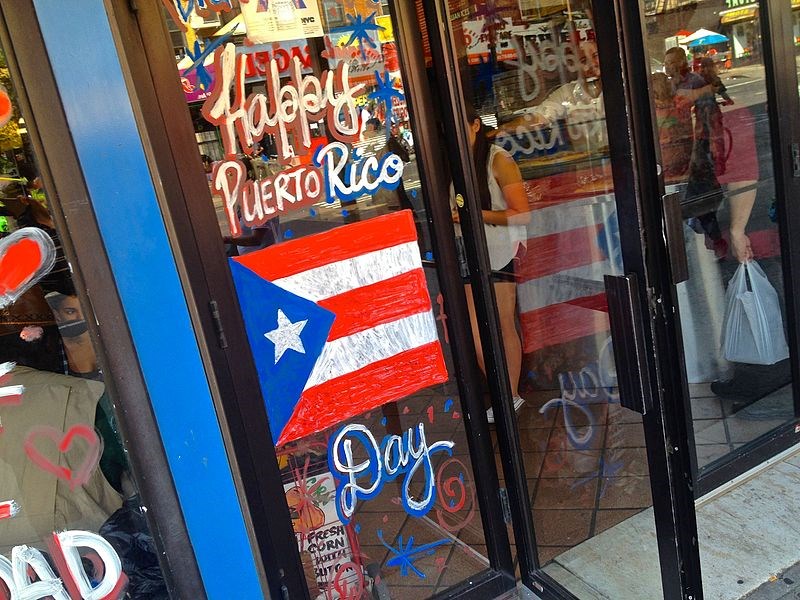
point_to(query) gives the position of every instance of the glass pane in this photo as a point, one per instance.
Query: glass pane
(71, 520)
(711, 104)
(317, 188)
(531, 72)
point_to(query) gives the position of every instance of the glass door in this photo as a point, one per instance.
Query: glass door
(711, 95)
(724, 99)
(551, 233)
(312, 173)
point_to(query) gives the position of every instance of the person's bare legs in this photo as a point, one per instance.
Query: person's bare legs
(473, 321)
(506, 294)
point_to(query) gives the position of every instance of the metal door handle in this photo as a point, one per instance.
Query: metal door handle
(628, 340)
(676, 244)
(795, 160)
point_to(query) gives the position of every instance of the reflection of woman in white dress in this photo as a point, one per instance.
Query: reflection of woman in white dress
(505, 213)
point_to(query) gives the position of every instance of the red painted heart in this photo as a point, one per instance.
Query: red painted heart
(26, 256)
(63, 442)
(6, 107)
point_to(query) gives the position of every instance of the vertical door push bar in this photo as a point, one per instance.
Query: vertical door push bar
(628, 340)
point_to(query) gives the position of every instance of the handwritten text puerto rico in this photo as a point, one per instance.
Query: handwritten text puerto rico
(286, 112)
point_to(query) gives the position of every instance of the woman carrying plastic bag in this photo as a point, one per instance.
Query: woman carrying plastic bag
(752, 331)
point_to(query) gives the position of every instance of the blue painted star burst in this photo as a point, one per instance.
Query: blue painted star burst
(404, 555)
(384, 92)
(199, 57)
(361, 28)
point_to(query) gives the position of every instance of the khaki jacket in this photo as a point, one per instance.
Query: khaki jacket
(46, 502)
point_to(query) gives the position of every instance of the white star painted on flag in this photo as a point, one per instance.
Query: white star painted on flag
(286, 336)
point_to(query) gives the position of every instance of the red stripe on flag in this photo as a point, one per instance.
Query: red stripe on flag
(556, 252)
(596, 302)
(376, 384)
(382, 302)
(560, 323)
(293, 257)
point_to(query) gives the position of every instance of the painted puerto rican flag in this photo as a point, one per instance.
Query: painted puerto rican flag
(339, 323)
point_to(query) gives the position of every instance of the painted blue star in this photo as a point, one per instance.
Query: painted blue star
(405, 555)
(199, 57)
(384, 92)
(201, 5)
(360, 28)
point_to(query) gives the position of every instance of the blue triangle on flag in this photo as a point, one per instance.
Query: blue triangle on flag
(282, 383)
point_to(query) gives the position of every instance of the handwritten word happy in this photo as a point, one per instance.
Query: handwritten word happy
(74, 582)
(395, 456)
(282, 109)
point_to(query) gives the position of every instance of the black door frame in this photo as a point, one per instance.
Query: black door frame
(619, 27)
(783, 103)
(147, 58)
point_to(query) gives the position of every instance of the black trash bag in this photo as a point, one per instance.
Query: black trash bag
(126, 530)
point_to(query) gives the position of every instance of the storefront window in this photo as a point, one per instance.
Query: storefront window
(72, 524)
(301, 119)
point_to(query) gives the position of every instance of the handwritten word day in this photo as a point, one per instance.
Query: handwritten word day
(287, 112)
(395, 456)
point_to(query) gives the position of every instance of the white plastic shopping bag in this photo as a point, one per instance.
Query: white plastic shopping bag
(752, 331)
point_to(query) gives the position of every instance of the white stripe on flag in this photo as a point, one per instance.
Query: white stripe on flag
(568, 216)
(354, 352)
(342, 276)
(563, 286)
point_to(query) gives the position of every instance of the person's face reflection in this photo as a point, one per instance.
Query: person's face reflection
(68, 310)
(590, 60)
(674, 64)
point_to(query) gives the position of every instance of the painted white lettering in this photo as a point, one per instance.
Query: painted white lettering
(395, 456)
(70, 541)
(542, 56)
(530, 139)
(347, 180)
(26, 563)
(228, 177)
(284, 111)
(253, 203)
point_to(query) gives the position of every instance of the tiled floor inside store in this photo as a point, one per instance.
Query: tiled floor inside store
(721, 426)
(586, 469)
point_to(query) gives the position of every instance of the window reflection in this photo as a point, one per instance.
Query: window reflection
(532, 75)
(71, 519)
(711, 102)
